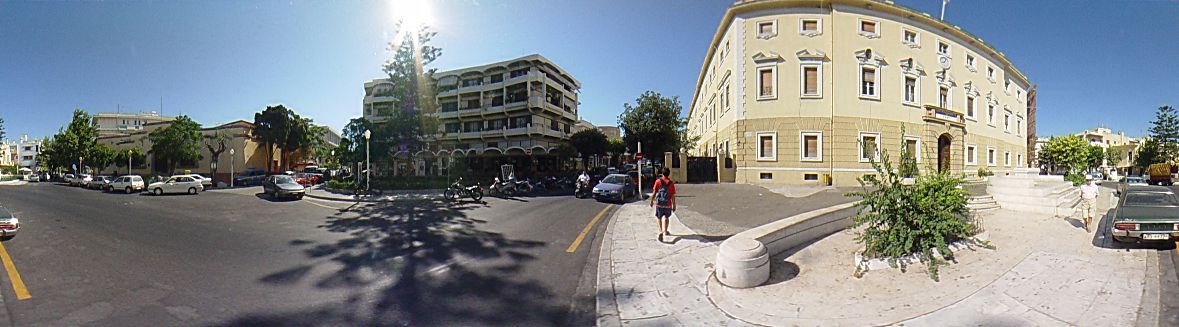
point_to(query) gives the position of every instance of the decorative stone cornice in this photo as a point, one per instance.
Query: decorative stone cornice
(808, 55)
(912, 67)
(871, 58)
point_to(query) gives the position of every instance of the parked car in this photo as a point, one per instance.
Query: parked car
(128, 183)
(251, 176)
(81, 180)
(1146, 213)
(68, 179)
(98, 182)
(616, 187)
(205, 181)
(176, 184)
(9, 224)
(1130, 181)
(33, 178)
(282, 186)
(307, 179)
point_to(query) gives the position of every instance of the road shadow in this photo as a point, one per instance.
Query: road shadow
(411, 263)
(267, 197)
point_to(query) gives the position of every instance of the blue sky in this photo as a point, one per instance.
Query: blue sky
(1096, 62)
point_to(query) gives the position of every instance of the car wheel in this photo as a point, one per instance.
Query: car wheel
(159, 191)
(192, 190)
(128, 189)
(477, 195)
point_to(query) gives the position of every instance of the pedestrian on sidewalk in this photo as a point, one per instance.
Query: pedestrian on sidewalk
(1089, 192)
(663, 200)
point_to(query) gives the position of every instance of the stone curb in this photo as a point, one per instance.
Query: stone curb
(607, 306)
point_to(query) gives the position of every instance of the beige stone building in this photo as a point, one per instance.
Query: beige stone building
(1125, 146)
(790, 89)
(247, 153)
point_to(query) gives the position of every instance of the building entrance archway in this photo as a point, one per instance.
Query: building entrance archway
(943, 152)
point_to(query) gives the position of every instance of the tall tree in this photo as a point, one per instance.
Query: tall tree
(1148, 154)
(654, 120)
(270, 129)
(179, 142)
(413, 95)
(1070, 153)
(1096, 154)
(589, 142)
(134, 155)
(1165, 130)
(101, 156)
(77, 140)
(216, 144)
(1112, 157)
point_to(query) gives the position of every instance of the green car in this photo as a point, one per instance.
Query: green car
(1146, 213)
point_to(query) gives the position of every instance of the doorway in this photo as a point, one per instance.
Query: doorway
(943, 153)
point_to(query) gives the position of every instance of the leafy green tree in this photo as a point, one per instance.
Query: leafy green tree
(1095, 156)
(899, 218)
(352, 143)
(302, 136)
(1165, 130)
(1148, 154)
(413, 95)
(589, 142)
(101, 156)
(1112, 158)
(137, 158)
(71, 146)
(270, 129)
(179, 142)
(654, 120)
(1068, 153)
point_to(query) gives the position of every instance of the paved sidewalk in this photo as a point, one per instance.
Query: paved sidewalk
(1044, 272)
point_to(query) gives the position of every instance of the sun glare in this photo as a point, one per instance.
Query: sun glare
(412, 13)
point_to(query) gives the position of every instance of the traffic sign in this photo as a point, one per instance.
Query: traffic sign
(639, 156)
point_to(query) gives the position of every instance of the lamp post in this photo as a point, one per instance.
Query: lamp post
(231, 171)
(79, 165)
(128, 161)
(367, 165)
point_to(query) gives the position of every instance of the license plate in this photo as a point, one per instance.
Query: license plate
(1156, 236)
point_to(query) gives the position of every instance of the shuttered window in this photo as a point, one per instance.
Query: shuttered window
(767, 146)
(911, 146)
(943, 97)
(970, 106)
(810, 80)
(766, 80)
(868, 82)
(867, 147)
(910, 89)
(810, 147)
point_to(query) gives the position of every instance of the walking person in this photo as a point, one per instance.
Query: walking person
(664, 201)
(1089, 192)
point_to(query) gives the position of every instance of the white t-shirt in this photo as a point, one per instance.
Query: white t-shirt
(1089, 192)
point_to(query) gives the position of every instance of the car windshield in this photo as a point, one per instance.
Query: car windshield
(283, 180)
(615, 180)
(1151, 199)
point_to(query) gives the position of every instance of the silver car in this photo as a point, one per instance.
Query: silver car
(98, 182)
(9, 224)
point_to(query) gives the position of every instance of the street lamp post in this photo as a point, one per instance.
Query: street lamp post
(231, 171)
(128, 162)
(367, 164)
(79, 165)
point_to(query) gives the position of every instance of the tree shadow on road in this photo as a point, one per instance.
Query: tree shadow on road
(411, 263)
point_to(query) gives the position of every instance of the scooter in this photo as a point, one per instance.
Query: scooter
(522, 186)
(583, 190)
(503, 188)
(457, 189)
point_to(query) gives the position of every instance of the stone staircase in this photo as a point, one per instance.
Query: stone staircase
(982, 203)
(1026, 191)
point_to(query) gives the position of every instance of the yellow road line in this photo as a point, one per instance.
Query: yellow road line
(18, 285)
(586, 230)
(325, 206)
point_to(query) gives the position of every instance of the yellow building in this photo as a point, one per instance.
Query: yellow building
(789, 89)
(247, 152)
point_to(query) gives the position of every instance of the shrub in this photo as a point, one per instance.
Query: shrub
(983, 172)
(901, 220)
(1076, 178)
(342, 185)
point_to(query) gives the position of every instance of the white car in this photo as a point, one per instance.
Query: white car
(176, 184)
(81, 180)
(132, 183)
(205, 181)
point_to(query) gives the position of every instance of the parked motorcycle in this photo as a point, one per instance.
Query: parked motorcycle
(457, 189)
(502, 188)
(522, 186)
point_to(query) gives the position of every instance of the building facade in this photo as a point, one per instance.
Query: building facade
(8, 157)
(515, 111)
(804, 92)
(247, 153)
(120, 123)
(27, 151)
(1124, 146)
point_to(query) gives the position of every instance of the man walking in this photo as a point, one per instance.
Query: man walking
(663, 201)
(1089, 192)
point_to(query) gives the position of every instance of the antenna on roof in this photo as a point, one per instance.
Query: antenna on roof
(943, 16)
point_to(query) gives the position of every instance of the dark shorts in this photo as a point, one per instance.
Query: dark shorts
(662, 212)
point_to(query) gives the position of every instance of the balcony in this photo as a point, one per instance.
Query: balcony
(937, 114)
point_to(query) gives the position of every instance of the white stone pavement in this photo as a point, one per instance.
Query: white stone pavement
(1044, 272)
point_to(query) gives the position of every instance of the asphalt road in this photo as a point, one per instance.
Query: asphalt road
(234, 258)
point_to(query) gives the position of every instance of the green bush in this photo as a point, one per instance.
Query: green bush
(1076, 178)
(341, 185)
(900, 220)
(983, 172)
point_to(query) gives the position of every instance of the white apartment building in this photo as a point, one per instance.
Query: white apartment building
(123, 123)
(507, 112)
(27, 151)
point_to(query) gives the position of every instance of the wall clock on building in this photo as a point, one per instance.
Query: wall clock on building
(944, 62)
